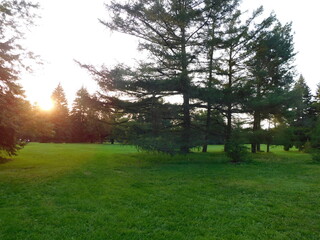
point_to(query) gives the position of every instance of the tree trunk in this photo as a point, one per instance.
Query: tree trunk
(185, 87)
(206, 134)
(229, 104)
(229, 126)
(209, 85)
(255, 147)
(258, 147)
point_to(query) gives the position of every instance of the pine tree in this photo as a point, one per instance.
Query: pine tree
(79, 115)
(60, 115)
(89, 123)
(168, 31)
(219, 15)
(271, 75)
(14, 16)
(304, 113)
(232, 63)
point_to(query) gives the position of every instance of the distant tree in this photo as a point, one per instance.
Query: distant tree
(14, 16)
(316, 102)
(89, 123)
(304, 113)
(37, 126)
(79, 115)
(59, 116)
(303, 103)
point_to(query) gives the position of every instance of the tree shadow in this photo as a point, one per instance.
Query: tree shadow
(4, 160)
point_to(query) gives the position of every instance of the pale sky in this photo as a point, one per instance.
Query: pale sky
(69, 29)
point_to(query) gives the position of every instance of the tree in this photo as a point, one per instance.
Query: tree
(14, 16)
(232, 63)
(304, 113)
(79, 115)
(168, 31)
(36, 125)
(217, 15)
(271, 75)
(89, 123)
(59, 115)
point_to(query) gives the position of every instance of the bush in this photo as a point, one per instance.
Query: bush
(237, 152)
(307, 147)
(315, 153)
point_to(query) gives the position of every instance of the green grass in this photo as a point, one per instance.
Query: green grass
(83, 191)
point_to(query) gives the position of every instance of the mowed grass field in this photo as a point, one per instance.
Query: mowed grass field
(88, 191)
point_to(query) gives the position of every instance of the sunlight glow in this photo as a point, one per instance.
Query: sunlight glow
(46, 104)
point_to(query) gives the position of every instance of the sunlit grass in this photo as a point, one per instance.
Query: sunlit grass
(88, 191)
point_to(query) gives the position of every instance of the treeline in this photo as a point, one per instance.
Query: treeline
(85, 122)
(88, 121)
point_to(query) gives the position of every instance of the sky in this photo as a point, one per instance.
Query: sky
(69, 30)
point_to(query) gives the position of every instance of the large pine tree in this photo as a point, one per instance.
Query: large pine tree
(168, 31)
(14, 16)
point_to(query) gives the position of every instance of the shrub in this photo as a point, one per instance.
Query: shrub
(315, 153)
(237, 152)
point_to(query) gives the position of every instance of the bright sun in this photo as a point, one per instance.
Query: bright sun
(46, 104)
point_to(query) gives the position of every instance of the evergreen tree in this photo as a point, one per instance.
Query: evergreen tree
(60, 115)
(168, 30)
(79, 114)
(303, 103)
(316, 101)
(37, 126)
(89, 123)
(232, 63)
(14, 16)
(271, 75)
(219, 15)
(304, 114)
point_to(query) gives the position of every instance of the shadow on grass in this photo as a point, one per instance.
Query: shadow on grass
(262, 158)
(191, 158)
(4, 160)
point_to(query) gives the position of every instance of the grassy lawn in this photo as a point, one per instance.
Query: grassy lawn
(83, 191)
